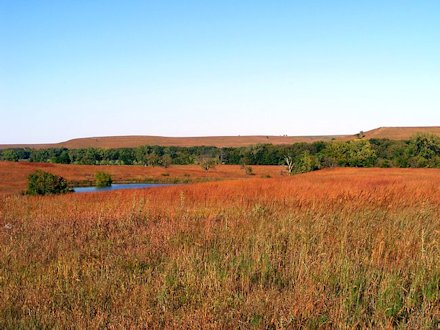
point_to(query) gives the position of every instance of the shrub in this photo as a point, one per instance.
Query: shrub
(305, 163)
(10, 155)
(44, 183)
(166, 161)
(207, 163)
(249, 170)
(103, 179)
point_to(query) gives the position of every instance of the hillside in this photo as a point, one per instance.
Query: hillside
(138, 140)
(400, 133)
(392, 133)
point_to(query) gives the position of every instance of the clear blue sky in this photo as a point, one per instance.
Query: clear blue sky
(188, 68)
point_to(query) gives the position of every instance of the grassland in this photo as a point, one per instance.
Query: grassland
(341, 248)
(400, 133)
(13, 175)
(105, 142)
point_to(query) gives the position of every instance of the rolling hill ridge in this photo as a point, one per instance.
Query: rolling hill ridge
(106, 142)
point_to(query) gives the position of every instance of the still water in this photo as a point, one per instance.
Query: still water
(119, 186)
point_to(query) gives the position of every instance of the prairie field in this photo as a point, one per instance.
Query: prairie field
(132, 141)
(337, 248)
(142, 140)
(13, 175)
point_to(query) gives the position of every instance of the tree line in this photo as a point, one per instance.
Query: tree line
(422, 150)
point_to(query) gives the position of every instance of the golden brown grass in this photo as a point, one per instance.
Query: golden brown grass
(132, 141)
(106, 142)
(13, 175)
(344, 248)
(400, 133)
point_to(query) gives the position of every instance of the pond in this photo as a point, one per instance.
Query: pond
(119, 186)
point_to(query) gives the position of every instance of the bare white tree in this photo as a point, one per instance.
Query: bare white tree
(289, 163)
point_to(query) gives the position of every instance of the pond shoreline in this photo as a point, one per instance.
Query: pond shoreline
(89, 183)
(116, 186)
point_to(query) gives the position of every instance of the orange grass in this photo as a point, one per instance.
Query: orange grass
(142, 140)
(341, 248)
(13, 175)
(392, 133)
(400, 133)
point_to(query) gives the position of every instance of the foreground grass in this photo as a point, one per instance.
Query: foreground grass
(331, 249)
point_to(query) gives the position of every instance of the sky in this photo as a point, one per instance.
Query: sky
(84, 68)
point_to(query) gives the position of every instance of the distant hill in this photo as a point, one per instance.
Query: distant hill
(135, 141)
(400, 133)
(392, 133)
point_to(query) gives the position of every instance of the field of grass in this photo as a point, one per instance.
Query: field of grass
(105, 142)
(142, 140)
(340, 248)
(13, 175)
(400, 133)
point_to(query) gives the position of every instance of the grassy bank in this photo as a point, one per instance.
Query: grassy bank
(13, 175)
(158, 180)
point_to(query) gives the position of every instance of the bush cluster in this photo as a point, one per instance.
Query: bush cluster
(44, 183)
(103, 179)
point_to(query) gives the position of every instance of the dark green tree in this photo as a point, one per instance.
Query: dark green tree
(44, 183)
(305, 163)
(10, 155)
(424, 151)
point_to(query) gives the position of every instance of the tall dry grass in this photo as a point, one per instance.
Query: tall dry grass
(13, 175)
(333, 249)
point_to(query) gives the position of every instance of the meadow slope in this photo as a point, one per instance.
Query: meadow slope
(105, 142)
(400, 133)
(341, 248)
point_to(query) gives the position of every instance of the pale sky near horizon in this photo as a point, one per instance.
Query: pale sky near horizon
(81, 68)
